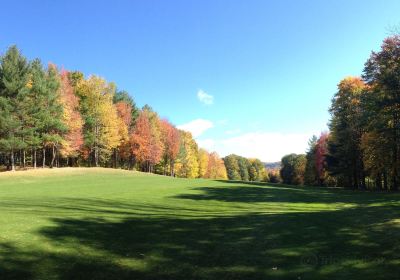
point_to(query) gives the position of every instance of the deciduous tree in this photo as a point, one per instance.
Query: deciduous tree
(344, 158)
(100, 116)
(73, 139)
(171, 143)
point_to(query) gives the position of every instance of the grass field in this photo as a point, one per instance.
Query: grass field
(113, 224)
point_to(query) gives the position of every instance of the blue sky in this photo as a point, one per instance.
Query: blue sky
(265, 71)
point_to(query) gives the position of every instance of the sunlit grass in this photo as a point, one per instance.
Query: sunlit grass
(103, 223)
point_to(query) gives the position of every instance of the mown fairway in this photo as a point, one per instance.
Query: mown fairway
(109, 224)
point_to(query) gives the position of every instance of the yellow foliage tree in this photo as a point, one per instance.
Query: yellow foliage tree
(188, 164)
(101, 119)
(216, 167)
(203, 163)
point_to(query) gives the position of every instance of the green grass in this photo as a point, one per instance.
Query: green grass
(113, 224)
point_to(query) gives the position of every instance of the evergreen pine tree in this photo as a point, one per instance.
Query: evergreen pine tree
(14, 70)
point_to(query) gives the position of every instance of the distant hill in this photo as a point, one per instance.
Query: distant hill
(272, 165)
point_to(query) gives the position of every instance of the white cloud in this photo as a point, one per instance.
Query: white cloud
(266, 146)
(205, 97)
(197, 127)
(207, 144)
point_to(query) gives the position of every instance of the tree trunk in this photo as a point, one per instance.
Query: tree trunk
(172, 169)
(53, 157)
(378, 182)
(131, 163)
(44, 157)
(362, 171)
(12, 161)
(34, 158)
(24, 158)
(355, 178)
(115, 158)
(96, 153)
(394, 187)
(385, 181)
(96, 158)
(8, 162)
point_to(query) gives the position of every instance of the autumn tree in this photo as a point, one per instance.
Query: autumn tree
(101, 129)
(122, 96)
(75, 77)
(257, 170)
(274, 176)
(293, 169)
(215, 167)
(171, 143)
(344, 158)
(140, 138)
(188, 163)
(204, 158)
(156, 144)
(124, 113)
(241, 168)
(232, 167)
(73, 139)
(382, 111)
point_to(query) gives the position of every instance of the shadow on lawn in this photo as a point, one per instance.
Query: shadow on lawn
(262, 192)
(357, 243)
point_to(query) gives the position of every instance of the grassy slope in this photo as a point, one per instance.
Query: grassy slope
(113, 224)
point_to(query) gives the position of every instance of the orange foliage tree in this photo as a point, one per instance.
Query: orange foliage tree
(73, 140)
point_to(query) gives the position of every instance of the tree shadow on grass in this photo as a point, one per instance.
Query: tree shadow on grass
(25, 263)
(356, 243)
(261, 192)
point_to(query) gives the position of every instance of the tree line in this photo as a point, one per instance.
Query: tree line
(54, 118)
(362, 148)
(243, 169)
(51, 117)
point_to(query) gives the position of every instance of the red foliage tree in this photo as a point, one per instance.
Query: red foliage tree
(124, 111)
(140, 139)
